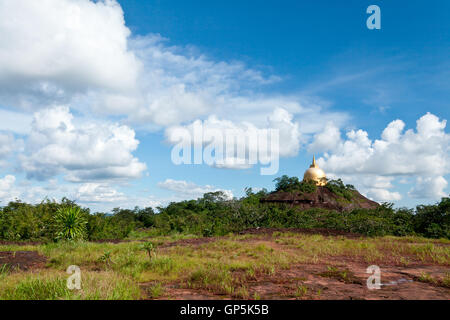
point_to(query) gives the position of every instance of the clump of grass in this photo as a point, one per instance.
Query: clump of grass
(427, 278)
(214, 279)
(301, 291)
(319, 292)
(163, 265)
(5, 269)
(341, 275)
(446, 280)
(256, 296)
(106, 258)
(241, 293)
(156, 290)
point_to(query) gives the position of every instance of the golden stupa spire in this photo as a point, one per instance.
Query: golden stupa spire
(313, 165)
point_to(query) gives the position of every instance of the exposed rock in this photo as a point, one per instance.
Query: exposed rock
(321, 198)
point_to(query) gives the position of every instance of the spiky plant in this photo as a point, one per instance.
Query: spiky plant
(150, 248)
(106, 258)
(70, 223)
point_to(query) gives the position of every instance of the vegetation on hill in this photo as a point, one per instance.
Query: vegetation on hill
(293, 184)
(214, 215)
(338, 187)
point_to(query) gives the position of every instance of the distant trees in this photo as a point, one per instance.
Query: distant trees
(215, 214)
(433, 220)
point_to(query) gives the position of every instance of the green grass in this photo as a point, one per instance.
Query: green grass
(301, 291)
(442, 282)
(156, 290)
(341, 275)
(53, 286)
(114, 271)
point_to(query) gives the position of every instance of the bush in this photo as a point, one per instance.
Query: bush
(70, 224)
(339, 188)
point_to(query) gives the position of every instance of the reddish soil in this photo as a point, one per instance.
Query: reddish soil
(314, 281)
(333, 278)
(23, 260)
(20, 243)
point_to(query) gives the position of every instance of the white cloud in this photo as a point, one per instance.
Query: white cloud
(380, 195)
(246, 137)
(420, 153)
(98, 193)
(429, 187)
(7, 191)
(7, 145)
(425, 151)
(189, 189)
(82, 151)
(326, 140)
(52, 49)
(80, 53)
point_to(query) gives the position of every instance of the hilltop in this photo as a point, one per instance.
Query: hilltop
(321, 197)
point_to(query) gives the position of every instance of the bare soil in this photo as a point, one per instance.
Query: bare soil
(23, 260)
(333, 278)
(310, 281)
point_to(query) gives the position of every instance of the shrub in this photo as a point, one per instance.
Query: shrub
(339, 188)
(70, 224)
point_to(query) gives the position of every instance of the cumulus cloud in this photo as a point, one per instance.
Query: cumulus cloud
(416, 153)
(7, 189)
(7, 145)
(189, 189)
(381, 195)
(326, 140)
(98, 193)
(233, 143)
(425, 151)
(52, 49)
(85, 56)
(429, 187)
(82, 151)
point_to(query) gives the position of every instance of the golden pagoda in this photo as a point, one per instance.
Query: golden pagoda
(314, 173)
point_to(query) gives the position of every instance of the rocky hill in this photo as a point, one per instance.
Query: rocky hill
(322, 197)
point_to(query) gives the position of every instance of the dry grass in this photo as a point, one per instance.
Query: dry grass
(220, 266)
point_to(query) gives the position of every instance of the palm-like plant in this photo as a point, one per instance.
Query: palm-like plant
(70, 223)
(150, 248)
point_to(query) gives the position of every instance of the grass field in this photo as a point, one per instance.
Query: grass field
(263, 265)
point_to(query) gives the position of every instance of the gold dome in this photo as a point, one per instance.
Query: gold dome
(314, 173)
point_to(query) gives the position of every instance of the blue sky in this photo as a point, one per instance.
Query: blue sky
(121, 75)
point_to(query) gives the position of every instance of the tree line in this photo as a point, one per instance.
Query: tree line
(213, 215)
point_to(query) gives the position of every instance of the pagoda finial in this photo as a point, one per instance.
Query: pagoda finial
(313, 165)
